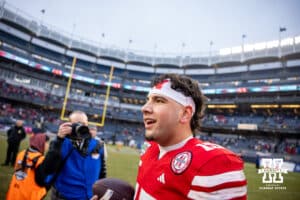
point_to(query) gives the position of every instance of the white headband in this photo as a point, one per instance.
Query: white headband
(164, 88)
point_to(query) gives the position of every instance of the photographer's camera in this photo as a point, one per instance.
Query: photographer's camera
(79, 131)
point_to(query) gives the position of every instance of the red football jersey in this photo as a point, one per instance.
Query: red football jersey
(197, 170)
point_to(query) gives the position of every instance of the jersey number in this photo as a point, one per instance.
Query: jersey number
(209, 146)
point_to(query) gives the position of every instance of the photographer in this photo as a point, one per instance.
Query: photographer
(74, 162)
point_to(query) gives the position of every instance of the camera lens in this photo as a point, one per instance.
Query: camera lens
(79, 131)
(83, 131)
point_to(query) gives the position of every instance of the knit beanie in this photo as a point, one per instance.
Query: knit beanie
(38, 141)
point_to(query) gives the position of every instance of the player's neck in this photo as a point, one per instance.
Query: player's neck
(182, 132)
(179, 144)
(165, 149)
(177, 137)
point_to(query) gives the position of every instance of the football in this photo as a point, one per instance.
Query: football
(113, 189)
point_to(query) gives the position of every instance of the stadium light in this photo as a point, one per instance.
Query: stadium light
(281, 29)
(126, 56)
(181, 56)
(222, 106)
(154, 54)
(243, 47)
(210, 52)
(101, 44)
(264, 106)
(290, 106)
(43, 11)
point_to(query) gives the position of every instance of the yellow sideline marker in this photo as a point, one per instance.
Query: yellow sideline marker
(62, 115)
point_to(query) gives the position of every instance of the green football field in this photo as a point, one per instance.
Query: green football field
(122, 163)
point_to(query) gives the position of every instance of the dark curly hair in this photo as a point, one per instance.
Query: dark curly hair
(188, 87)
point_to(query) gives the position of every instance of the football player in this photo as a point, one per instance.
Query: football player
(176, 165)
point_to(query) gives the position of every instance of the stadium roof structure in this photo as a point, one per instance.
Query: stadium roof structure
(29, 29)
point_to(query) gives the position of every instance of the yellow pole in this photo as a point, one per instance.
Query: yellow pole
(68, 91)
(107, 95)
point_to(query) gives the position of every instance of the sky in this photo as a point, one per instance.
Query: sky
(168, 26)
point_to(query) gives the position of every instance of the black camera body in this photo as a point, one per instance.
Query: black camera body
(79, 131)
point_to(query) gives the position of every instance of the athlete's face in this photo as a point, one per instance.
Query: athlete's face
(161, 118)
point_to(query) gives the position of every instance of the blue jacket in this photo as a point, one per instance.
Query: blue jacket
(75, 173)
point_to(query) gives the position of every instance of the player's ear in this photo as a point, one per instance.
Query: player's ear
(186, 115)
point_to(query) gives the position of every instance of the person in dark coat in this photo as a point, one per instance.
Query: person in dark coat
(14, 137)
